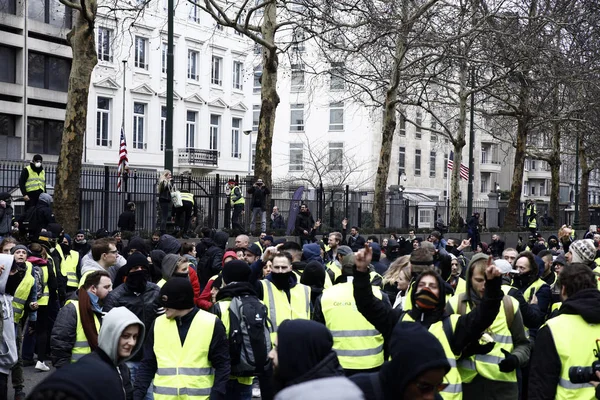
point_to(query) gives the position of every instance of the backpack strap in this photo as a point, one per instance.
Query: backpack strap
(447, 325)
(462, 305)
(509, 310)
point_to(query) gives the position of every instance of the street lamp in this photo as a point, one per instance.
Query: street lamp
(248, 132)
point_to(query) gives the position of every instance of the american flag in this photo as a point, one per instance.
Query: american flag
(123, 161)
(464, 171)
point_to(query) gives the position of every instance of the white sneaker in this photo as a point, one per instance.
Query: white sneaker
(255, 392)
(41, 366)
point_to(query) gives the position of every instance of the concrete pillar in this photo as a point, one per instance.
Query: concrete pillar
(396, 210)
(492, 211)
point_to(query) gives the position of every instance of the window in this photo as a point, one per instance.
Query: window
(425, 217)
(445, 166)
(298, 41)
(525, 188)
(8, 7)
(104, 39)
(50, 12)
(336, 76)
(402, 125)
(216, 74)
(418, 122)
(139, 125)
(533, 165)
(7, 124)
(215, 122)
(296, 157)
(336, 156)
(297, 77)
(194, 14)
(433, 124)
(432, 164)
(8, 60)
(336, 116)
(238, 74)
(297, 118)
(141, 52)
(103, 122)
(163, 126)
(433, 137)
(236, 123)
(484, 154)
(485, 183)
(164, 48)
(257, 79)
(527, 166)
(193, 65)
(532, 190)
(190, 129)
(48, 72)
(402, 161)
(417, 162)
(543, 189)
(255, 117)
(44, 136)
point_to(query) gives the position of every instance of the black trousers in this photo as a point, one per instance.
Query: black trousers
(236, 217)
(183, 215)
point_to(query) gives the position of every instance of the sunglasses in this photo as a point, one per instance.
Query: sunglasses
(426, 388)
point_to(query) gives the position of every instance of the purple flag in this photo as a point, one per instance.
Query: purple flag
(294, 209)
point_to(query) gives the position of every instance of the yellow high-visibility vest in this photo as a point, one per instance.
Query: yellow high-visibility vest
(35, 181)
(22, 293)
(68, 266)
(357, 343)
(575, 340)
(184, 371)
(82, 347)
(280, 308)
(45, 297)
(241, 200)
(187, 197)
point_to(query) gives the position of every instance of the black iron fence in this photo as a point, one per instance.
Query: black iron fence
(101, 203)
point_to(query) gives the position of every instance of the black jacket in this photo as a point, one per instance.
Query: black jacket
(277, 222)
(218, 355)
(127, 221)
(304, 222)
(468, 328)
(355, 243)
(42, 217)
(496, 248)
(545, 365)
(210, 261)
(259, 196)
(143, 305)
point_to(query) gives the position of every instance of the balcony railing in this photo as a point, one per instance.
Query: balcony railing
(198, 157)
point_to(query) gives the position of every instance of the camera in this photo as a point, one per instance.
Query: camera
(586, 374)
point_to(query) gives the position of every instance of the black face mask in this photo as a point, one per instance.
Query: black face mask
(449, 248)
(136, 280)
(180, 275)
(281, 280)
(523, 280)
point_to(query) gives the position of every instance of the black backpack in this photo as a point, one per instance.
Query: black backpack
(249, 336)
(28, 223)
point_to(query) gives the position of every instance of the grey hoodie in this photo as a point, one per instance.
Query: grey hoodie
(113, 325)
(89, 264)
(8, 344)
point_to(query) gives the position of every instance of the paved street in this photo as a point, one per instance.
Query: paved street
(32, 378)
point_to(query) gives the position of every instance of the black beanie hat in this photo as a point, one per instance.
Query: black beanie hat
(236, 271)
(177, 293)
(313, 275)
(137, 259)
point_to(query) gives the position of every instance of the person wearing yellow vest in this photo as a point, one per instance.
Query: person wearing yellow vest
(186, 351)
(531, 216)
(283, 295)
(235, 277)
(455, 333)
(455, 280)
(491, 375)
(75, 331)
(236, 199)
(32, 181)
(183, 214)
(568, 340)
(548, 276)
(358, 344)
(70, 263)
(417, 368)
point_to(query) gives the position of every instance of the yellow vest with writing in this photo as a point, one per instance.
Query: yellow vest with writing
(575, 340)
(22, 293)
(280, 308)
(486, 365)
(35, 181)
(82, 346)
(68, 266)
(357, 343)
(184, 372)
(454, 389)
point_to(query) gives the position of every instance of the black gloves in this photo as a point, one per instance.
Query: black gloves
(476, 348)
(510, 362)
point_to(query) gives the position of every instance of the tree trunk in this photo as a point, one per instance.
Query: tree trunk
(459, 143)
(584, 209)
(513, 213)
(68, 171)
(269, 99)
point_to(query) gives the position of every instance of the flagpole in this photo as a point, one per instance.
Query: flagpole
(124, 171)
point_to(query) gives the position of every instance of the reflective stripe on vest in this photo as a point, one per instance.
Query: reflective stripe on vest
(68, 266)
(22, 293)
(575, 340)
(35, 181)
(45, 296)
(183, 370)
(454, 389)
(528, 293)
(241, 200)
(224, 308)
(81, 347)
(357, 343)
(187, 197)
(486, 365)
(280, 308)
(161, 283)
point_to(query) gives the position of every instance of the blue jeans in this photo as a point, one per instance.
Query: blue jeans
(238, 391)
(263, 219)
(133, 367)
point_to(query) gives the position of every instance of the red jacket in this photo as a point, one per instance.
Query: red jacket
(195, 286)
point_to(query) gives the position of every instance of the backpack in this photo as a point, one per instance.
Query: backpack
(249, 336)
(29, 222)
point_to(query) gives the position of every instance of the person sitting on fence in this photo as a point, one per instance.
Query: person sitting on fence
(127, 218)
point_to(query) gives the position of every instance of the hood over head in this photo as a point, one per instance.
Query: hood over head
(45, 198)
(138, 244)
(113, 325)
(311, 251)
(169, 265)
(220, 238)
(169, 244)
(376, 251)
(157, 257)
(438, 310)
(227, 254)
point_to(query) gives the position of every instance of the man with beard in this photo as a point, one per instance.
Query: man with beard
(283, 295)
(304, 225)
(139, 295)
(80, 244)
(428, 297)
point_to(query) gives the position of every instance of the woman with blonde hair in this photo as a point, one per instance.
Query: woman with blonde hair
(392, 277)
(165, 187)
